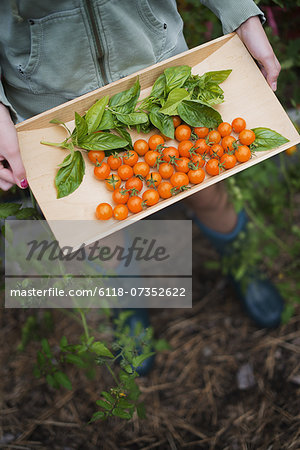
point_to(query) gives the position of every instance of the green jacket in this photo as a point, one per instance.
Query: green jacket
(54, 50)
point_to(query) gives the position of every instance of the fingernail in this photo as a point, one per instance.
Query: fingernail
(24, 183)
(274, 86)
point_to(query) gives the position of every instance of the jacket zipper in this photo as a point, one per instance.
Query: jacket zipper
(100, 54)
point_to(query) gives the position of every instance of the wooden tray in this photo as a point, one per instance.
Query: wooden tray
(247, 94)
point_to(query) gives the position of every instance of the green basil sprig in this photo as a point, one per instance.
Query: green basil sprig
(70, 175)
(267, 139)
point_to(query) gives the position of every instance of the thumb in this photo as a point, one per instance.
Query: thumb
(16, 164)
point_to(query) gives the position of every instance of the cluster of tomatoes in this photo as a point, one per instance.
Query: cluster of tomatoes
(165, 171)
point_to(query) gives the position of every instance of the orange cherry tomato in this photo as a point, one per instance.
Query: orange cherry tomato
(213, 167)
(102, 171)
(216, 151)
(247, 137)
(224, 129)
(176, 121)
(165, 189)
(166, 170)
(179, 179)
(120, 195)
(228, 161)
(184, 148)
(135, 204)
(104, 211)
(198, 160)
(150, 197)
(131, 158)
(238, 124)
(141, 146)
(196, 176)
(182, 164)
(112, 182)
(141, 168)
(96, 156)
(201, 132)
(114, 161)
(214, 137)
(183, 132)
(155, 140)
(201, 146)
(120, 211)
(152, 157)
(227, 143)
(243, 153)
(170, 153)
(153, 179)
(125, 172)
(134, 183)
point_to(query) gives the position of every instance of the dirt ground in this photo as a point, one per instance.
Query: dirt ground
(224, 385)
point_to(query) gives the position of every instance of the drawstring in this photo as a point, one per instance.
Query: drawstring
(15, 11)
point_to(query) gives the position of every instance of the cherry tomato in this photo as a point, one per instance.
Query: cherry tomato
(152, 157)
(104, 211)
(120, 212)
(184, 148)
(228, 161)
(102, 171)
(165, 170)
(198, 159)
(212, 167)
(176, 121)
(112, 182)
(114, 161)
(196, 176)
(120, 195)
(214, 137)
(224, 129)
(141, 146)
(125, 172)
(170, 153)
(165, 189)
(216, 151)
(134, 183)
(201, 146)
(141, 168)
(182, 164)
(179, 179)
(153, 179)
(96, 156)
(131, 157)
(135, 204)
(155, 140)
(201, 132)
(246, 137)
(238, 124)
(243, 153)
(183, 132)
(227, 143)
(150, 197)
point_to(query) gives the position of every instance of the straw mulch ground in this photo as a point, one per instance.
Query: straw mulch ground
(225, 384)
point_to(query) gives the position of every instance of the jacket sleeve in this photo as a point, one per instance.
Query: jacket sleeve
(233, 13)
(5, 102)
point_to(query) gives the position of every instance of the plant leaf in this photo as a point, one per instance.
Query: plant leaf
(266, 139)
(132, 119)
(158, 89)
(107, 121)
(94, 115)
(121, 413)
(197, 115)
(124, 134)
(8, 209)
(101, 350)
(102, 141)
(217, 77)
(81, 126)
(174, 98)
(25, 213)
(68, 178)
(163, 122)
(176, 76)
(63, 380)
(125, 102)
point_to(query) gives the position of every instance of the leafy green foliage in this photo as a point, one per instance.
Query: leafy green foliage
(70, 176)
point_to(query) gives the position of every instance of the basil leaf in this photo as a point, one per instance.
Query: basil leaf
(217, 77)
(124, 134)
(26, 213)
(176, 76)
(94, 115)
(158, 89)
(125, 102)
(211, 95)
(175, 97)
(8, 209)
(267, 139)
(68, 178)
(163, 122)
(81, 126)
(102, 141)
(197, 115)
(107, 121)
(132, 119)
